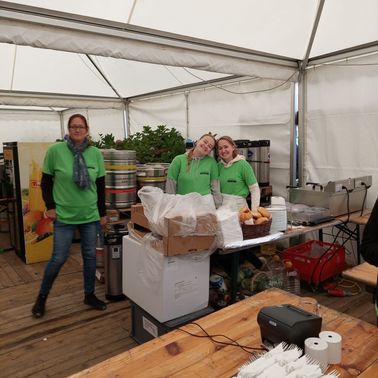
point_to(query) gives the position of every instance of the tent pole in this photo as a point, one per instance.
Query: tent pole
(126, 119)
(304, 62)
(302, 100)
(293, 137)
(61, 118)
(187, 113)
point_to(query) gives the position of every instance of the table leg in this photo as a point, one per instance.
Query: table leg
(321, 234)
(234, 275)
(358, 244)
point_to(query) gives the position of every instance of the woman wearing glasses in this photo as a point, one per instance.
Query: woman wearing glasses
(73, 188)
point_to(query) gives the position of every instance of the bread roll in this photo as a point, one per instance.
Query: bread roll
(261, 220)
(256, 214)
(264, 212)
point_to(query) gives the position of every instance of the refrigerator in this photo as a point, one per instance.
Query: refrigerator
(31, 232)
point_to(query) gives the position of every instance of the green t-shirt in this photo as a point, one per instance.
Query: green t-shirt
(236, 178)
(199, 176)
(73, 205)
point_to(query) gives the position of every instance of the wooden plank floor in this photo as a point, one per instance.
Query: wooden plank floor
(71, 336)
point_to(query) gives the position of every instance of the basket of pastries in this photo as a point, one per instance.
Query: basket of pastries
(255, 223)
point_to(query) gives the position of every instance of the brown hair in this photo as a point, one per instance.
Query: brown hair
(78, 116)
(231, 141)
(190, 153)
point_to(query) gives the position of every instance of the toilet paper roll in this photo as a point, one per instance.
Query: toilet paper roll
(318, 350)
(334, 341)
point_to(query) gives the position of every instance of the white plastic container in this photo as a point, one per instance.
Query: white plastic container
(166, 287)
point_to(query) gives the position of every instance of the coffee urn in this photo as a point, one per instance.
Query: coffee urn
(254, 157)
(113, 264)
(242, 145)
(264, 167)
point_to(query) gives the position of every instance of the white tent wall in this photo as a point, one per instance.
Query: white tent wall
(241, 115)
(169, 110)
(26, 126)
(260, 115)
(45, 126)
(342, 122)
(342, 128)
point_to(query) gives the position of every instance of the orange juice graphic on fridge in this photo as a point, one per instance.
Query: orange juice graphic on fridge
(38, 229)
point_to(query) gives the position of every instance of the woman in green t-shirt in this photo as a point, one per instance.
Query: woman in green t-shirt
(196, 171)
(237, 180)
(73, 188)
(236, 176)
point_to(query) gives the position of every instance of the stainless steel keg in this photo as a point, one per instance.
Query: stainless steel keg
(120, 179)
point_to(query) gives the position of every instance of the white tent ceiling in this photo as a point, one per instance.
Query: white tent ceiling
(168, 43)
(92, 54)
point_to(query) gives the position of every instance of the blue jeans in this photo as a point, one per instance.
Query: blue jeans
(63, 235)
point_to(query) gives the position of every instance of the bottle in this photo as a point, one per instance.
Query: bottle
(276, 273)
(292, 282)
(99, 251)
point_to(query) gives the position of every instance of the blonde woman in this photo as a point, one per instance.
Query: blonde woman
(236, 176)
(237, 180)
(196, 171)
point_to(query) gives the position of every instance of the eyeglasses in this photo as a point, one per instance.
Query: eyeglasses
(73, 127)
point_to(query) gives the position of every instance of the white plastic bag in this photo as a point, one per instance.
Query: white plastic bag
(229, 230)
(178, 215)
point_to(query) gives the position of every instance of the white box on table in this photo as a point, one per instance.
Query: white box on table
(166, 287)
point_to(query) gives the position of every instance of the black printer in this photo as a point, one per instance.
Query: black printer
(287, 323)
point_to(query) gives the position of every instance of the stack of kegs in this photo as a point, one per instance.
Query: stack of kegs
(257, 153)
(120, 179)
(152, 174)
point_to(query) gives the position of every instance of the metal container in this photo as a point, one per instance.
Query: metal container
(338, 203)
(113, 265)
(242, 145)
(264, 167)
(254, 156)
(120, 179)
(152, 175)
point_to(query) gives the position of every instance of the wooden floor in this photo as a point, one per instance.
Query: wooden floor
(71, 336)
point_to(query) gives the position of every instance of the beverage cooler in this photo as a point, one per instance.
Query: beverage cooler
(31, 233)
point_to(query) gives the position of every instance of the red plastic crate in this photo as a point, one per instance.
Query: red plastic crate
(313, 267)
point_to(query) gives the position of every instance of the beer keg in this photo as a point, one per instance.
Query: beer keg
(152, 174)
(120, 179)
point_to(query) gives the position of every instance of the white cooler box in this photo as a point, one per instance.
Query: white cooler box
(166, 287)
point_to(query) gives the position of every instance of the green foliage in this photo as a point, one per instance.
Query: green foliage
(151, 145)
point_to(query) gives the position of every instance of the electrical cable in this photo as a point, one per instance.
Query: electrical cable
(233, 92)
(232, 342)
(365, 195)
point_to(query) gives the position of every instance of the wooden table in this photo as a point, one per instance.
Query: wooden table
(365, 273)
(178, 354)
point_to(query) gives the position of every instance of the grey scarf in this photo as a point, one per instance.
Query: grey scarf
(80, 171)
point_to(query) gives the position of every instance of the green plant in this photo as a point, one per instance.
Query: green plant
(151, 145)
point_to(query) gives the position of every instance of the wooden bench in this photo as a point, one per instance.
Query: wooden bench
(364, 273)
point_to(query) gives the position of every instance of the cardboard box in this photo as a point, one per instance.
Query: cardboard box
(138, 217)
(206, 224)
(166, 287)
(145, 327)
(176, 245)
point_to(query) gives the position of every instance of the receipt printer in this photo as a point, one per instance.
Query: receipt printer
(287, 323)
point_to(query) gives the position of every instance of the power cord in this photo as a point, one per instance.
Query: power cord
(232, 342)
(365, 194)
